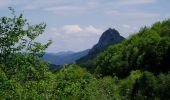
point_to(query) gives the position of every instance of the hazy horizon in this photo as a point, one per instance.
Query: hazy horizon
(76, 25)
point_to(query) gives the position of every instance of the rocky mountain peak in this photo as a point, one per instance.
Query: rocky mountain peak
(110, 36)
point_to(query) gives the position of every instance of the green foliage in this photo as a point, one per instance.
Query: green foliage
(75, 82)
(144, 87)
(19, 51)
(140, 67)
(147, 50)
(71, 81)
(19, 57)
(162, 88)
(9, 89)
(126, 85)
(150, 87)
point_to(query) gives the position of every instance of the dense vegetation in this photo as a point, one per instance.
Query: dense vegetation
(136, 69)
(108, 38)
(148, 50)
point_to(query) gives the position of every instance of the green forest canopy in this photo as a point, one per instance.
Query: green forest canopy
(136, 69)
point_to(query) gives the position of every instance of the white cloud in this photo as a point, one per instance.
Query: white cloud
(92, 29)
(167, 15)
(29, 7)
(126, 26)
(113, 12)
(69, 9)
(72, 37)
(5, 3)
(132, 14)
(68, 32)
(39, 4)
(136, 2)
(71, 28)
(11, 3)
(127, 16)
(73, 8)
(62, 8)
(142, 14)
(80, 31)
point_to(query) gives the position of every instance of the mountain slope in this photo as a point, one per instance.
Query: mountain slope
(147, 50)
(109, 37)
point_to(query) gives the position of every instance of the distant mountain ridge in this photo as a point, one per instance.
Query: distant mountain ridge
(63, 53)
(63, 58)
(109, 37)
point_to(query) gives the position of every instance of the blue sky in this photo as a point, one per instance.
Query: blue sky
(75, 25)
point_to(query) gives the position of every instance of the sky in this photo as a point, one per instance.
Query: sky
(76, 25)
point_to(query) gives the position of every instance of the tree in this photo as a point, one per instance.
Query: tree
(162, 88)
(147, 50)
(19, 50)
(143, 89)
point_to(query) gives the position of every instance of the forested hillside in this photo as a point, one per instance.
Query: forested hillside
(135, 69)
(109, 37)
(147, 50)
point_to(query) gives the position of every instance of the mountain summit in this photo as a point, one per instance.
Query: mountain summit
(109, 37)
